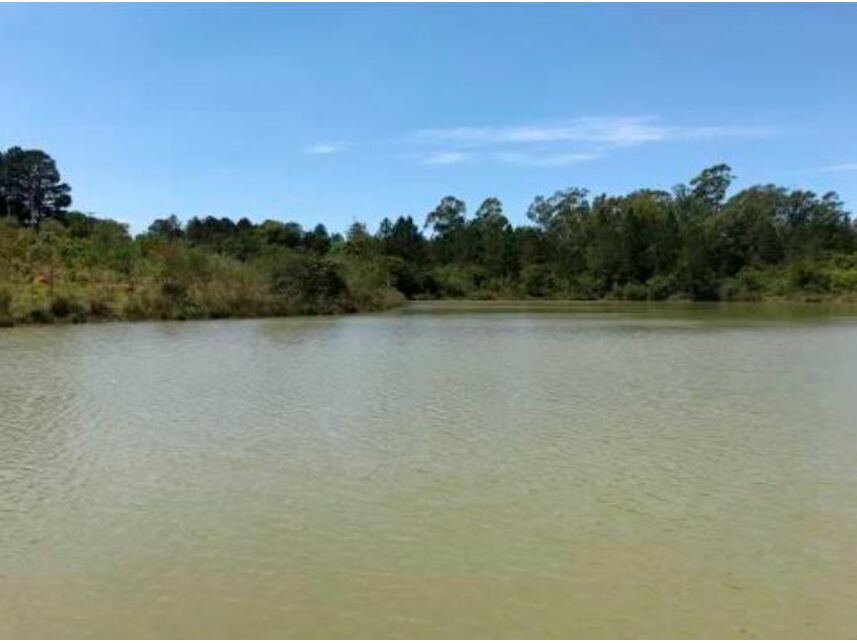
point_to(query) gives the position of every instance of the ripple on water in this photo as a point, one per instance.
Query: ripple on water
(595, 473)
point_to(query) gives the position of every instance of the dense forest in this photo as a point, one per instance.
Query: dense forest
(696, 242)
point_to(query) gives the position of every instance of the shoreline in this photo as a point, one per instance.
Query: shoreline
(809, 303)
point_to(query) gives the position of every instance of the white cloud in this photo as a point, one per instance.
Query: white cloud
(624, 130)
(545, 160)
(573, 140)
(699, 133)
(601, 131)
(324, 148)
(840, 167)
(446, 158)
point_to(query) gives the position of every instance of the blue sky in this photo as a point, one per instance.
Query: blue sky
(334, 113)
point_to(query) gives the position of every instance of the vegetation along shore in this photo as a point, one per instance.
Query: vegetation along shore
(764, 242)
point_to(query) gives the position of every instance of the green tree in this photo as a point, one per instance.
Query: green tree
(710, 185)
(402, 239)
(564, 219)
(449, 226)
(494, 239)
(31, 186)
(317, 240)
(169, 228)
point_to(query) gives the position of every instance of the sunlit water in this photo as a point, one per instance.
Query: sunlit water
(482, 470)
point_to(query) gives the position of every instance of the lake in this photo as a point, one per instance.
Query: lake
(445, 470)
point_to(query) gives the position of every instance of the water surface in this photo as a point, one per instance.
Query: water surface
(490, 470)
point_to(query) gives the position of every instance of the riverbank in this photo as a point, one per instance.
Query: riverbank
(762, 244)
(33, 305)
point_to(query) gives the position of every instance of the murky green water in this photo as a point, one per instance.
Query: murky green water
(478, 470)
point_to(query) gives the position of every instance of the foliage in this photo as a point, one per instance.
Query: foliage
(694, 242)
(30, 186)
(5, 308)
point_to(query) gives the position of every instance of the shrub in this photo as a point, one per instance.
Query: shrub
(808, 276)
(5, 308)
(308, 281)
(100, 308)
(587, 286)
(404, 278)
(40, 316)
(454, 280)
(134, 308)
(842, 272)
(61, 307)
(747, 285)
(634, 291)
(660, 287)
(5, 303)
(536, 280)
(173, 289)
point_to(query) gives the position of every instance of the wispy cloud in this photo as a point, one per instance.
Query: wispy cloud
(562, 143)
(592, 130)
(557, 144)
(446, 158)
(320, 149)
(545, 160)
(840, 167)
(709, 132)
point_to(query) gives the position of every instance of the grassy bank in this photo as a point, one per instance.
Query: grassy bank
(79, 303)
(831, 279)
(56, 274)
(349, 287)
(78, 269)
(764, 243)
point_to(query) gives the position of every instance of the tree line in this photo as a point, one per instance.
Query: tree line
(696, 241)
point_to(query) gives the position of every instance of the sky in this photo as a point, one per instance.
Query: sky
(336, 113)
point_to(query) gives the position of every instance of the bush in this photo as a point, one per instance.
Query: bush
(808, 276)
(633, 291)
(134, 308)
(100, 308)
(701, 287)
(454, 280)
(5, 303)
(660, 287)
(842, 273)
(404, 278)
(587, 286)
(63, 307)
(307, 280)
(173, 289)
(5, 308)
(40, 316)
(536, 280)
(747, 285)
